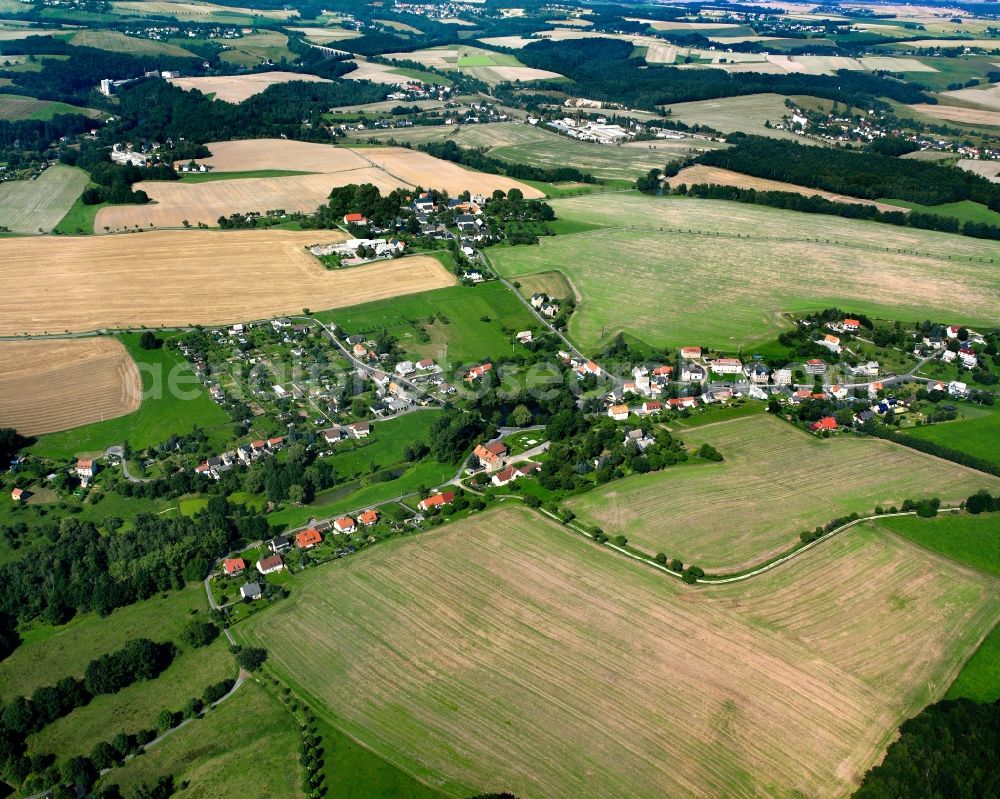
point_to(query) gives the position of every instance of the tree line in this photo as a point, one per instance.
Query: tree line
(608, 71)
(866, 175)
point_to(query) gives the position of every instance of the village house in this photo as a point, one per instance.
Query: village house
(436, 500)
(850, 325)
(405, 368)
(512, 473)
(815, 366)
(663, 371)
(782, 377)
(307, 539)
(618, 412)
(826, 423)
(360, 429)
(524, 337)
(86, 468)
(477, 372)
(234, 567)
(838, 391)
(251, 591)
(345, 524)
(874, 388)
(948, 356)
(271, 564)
(369, 517)
(726, 366)
(588, 368)
(334, 435)
(690, 353)
(355, 219)
(958, 389)
(491, 455)
(692, 372)
(18, 495)
(426, 363)
(679, 403)
(831, 342)
(279, 544)
(651, 406)
(867, 369)
(758, 374)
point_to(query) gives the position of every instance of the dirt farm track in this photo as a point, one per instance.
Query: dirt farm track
(82, 381)
(178, 278)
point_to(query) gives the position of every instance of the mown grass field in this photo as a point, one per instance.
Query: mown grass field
(775, 482)
(963, 211)
(16, 106)
(33, 206)
(458, 668)
(163, 411)
(465, 336)
(535, 146)
(974, 541)
(978, 435)
(717, 274)
(248, 746)
(132, 45)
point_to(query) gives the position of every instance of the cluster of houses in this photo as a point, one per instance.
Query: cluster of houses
(359, 251)
(597, 131)
(491, 458)
(244, 454)
(544, 305)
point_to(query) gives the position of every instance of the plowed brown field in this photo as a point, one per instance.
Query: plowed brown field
(179, 278)
(58, 384)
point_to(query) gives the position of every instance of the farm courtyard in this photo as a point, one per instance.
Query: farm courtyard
(719, 274)
(455, 656)
(775, 482)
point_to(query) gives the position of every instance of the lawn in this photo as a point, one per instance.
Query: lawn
(16, 106)
(173, 403)
(33, 206)
(135, 708)
(79, 218)
(246, 747)
(976, 434)
(208, 177)
(719, 274)
(50, 653)
(963, 211)
(464, 338)
(775, 482)
(457, 669)
(975, 541)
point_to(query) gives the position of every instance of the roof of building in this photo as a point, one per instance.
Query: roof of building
(231, 565)
(308, 538)
(370, 516)
(270, 562)
(344, 522)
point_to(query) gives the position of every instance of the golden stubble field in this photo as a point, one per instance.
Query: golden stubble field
(503, 654)
(775, 482)
(387, 168)
(237, 88)
(57, 384)
(969, 116)
(170, 278)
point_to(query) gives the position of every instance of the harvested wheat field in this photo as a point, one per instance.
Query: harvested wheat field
(775, 482)
(237, 88)
(985, 98)
(387, 168)
(51, 385)
(167, 278)
(725, 177)
(502, 654)
(969, 116)
(988, 169)
(206, 202)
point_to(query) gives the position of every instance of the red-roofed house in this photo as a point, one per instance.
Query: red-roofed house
(663, 371)
(18, 495)
(85, 469)
(308, 539)
(651, 406)
(355, 219)
(727, 366)
(851, 324)
(682, 402)
(276, 442)
(437, 500)
(345, 524)
(491, 455)
(234, 566)
(690, 352)
(826, 423)
(369, 517)
(477, 372)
